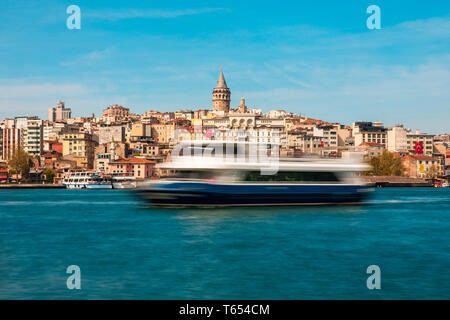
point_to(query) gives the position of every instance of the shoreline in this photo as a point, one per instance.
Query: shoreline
(397, 182)
(379, 182)
(31, 186)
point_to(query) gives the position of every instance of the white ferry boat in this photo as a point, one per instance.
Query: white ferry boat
(206, 179)
(87, 180)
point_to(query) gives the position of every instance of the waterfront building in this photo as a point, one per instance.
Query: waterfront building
(442, 151)
(60, 113)
(137, 167)
(62, 167)
(422, 166)
(3, 173)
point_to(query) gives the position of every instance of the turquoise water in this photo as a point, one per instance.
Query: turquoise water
(128, 251)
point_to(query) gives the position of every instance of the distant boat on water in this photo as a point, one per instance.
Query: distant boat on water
(98, 180)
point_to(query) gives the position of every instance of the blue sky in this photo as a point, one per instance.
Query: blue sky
(312, 57)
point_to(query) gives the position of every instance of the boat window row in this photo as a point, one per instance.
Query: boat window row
(292, 176)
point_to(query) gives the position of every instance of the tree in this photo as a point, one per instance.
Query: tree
(431, 173)
(19, 164)
(386, 165)
(50, 175)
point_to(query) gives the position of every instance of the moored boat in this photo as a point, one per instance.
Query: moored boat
(87, 180)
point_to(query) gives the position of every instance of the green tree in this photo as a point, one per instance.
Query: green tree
(19, 164)
(386, 165)
(50, 175)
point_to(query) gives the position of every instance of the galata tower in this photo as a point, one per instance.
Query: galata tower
(221, 95)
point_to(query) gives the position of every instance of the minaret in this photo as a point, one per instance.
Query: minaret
(113, 150)
(242, 107)
(221, 94)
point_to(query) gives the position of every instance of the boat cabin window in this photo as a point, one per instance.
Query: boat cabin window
(292, 176)
(195, 175)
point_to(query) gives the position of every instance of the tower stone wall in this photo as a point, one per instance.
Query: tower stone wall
(221, 95)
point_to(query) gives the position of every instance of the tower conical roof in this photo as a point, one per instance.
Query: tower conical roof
(221, 83)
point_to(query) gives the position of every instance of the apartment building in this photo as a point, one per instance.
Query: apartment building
(163, 133)
(10, 138)
(424, 140)
(60, 113)
(396, 138)
(31, 134)
(79, 147)
(329, 135)
(369, 132)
